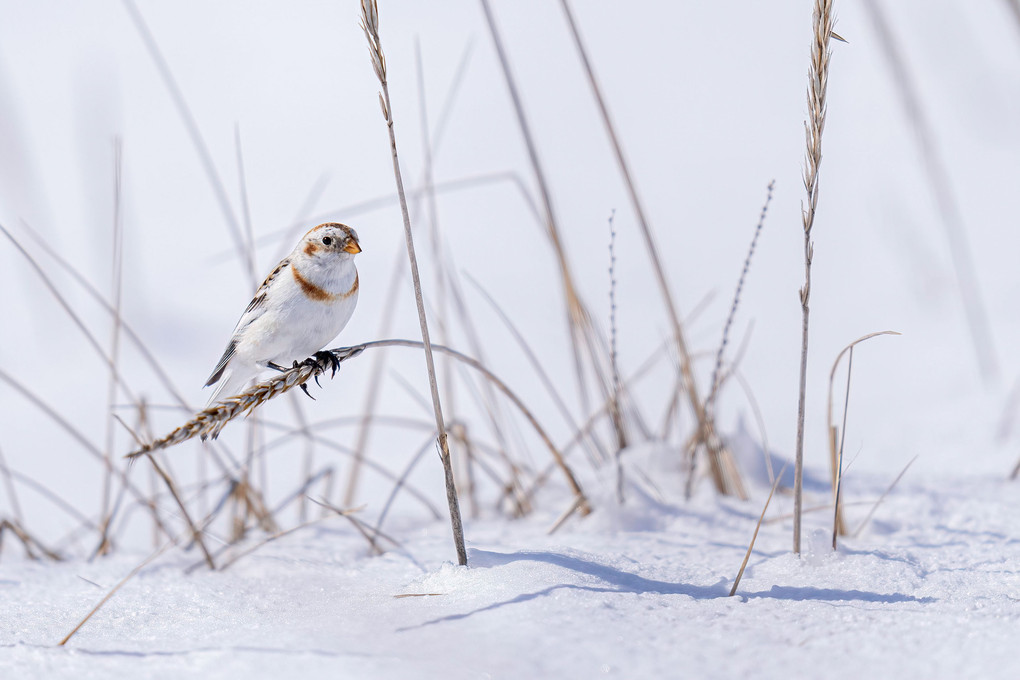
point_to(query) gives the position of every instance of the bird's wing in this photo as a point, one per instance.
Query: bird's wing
(253, 311)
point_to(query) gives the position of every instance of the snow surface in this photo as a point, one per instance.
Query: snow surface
(930, 589)
(708, 99)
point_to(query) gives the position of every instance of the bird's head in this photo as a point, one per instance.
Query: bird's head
(331, 238)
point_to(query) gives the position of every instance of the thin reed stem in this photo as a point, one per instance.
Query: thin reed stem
(836, 451)
(113, 591)
(837, 484)
(754, 536)
(717, 377)
(614, 397)
(939, 179)
(370, 24)
(818, 76)
(181, 104)
(579, 325)
(707, 436)
(882, 497)
(390, 306)
(111, 392)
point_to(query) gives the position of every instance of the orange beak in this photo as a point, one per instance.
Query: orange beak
(352, 247)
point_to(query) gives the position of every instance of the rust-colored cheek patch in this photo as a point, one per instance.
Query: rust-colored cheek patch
(311, 248)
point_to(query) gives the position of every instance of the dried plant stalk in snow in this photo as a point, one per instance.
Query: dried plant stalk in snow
(818, 76)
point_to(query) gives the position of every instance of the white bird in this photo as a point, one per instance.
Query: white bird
(302, 305)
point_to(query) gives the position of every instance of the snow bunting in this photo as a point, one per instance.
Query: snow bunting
(301, 306)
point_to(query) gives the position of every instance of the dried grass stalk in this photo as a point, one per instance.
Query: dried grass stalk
(717, 376)
(938, 169)
(818, 75)
(27, 541)
(722, 467)
(211, 421)
(370, 25)
(882, 497)
(836, 450)
(583, 335)
(754, 536)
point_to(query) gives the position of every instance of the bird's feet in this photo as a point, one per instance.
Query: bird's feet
(322, 360)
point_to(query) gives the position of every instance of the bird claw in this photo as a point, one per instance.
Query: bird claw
(322, 359)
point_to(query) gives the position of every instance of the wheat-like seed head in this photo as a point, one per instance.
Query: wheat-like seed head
(209, 422)
(818, 77)
(370, 25)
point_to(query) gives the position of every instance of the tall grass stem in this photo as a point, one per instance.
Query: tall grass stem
(370, 24)
(818, 78)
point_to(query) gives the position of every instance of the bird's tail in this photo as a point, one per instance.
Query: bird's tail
(231, 383)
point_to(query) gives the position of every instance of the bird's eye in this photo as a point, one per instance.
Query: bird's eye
(326, 240)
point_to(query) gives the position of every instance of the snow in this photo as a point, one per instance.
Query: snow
(928, 590)
(709, 103)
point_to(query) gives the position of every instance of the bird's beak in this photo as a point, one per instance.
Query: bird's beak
(352, 247)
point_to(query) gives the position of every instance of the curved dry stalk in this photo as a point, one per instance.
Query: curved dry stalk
(836, 453)
(27, 541)
(211, 421)
(595, 453)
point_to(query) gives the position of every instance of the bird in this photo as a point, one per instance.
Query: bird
(303, 304)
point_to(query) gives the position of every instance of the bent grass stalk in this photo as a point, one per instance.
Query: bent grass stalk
(836, 452)
(211, 421)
